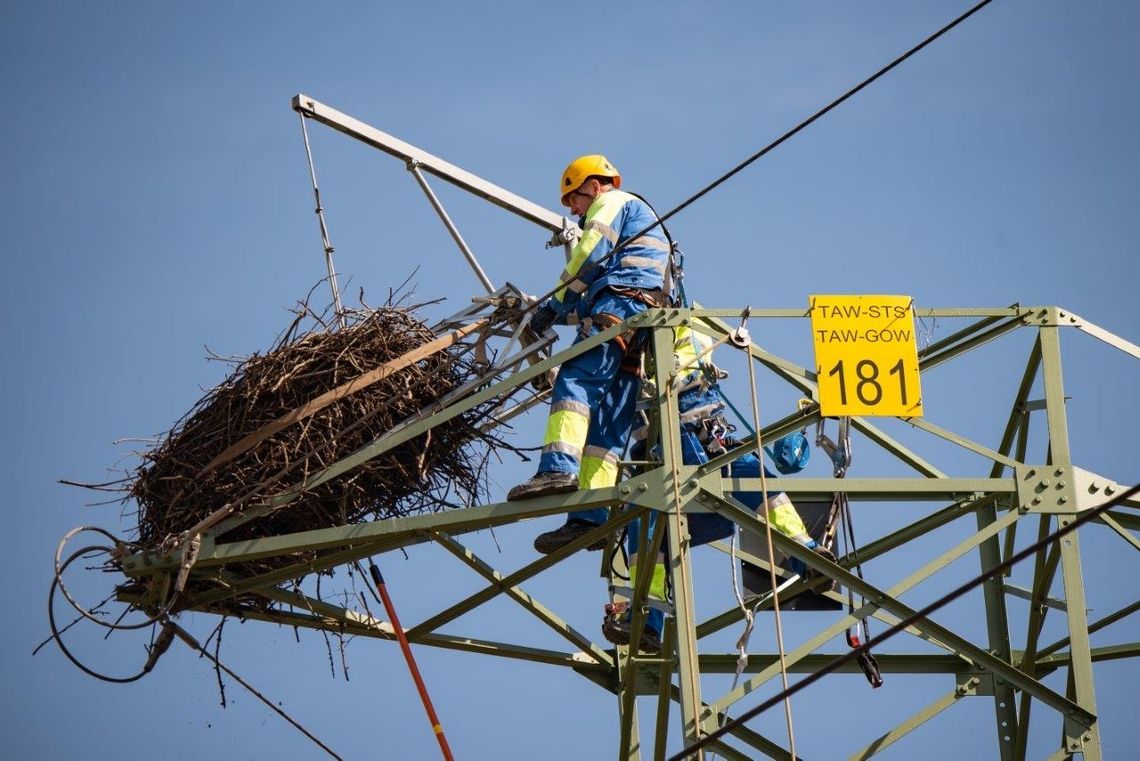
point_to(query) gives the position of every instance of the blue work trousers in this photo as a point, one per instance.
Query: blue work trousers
(593, 403)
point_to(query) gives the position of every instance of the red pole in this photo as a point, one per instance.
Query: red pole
(403, 640)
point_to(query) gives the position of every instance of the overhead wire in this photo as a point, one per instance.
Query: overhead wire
(772, 145)
(998, 570)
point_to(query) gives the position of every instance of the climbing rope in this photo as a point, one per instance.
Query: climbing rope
(749, 620)
(840, 454)
(749, 613)
(743, 340)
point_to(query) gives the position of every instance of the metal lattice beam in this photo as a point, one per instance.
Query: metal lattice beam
(1011, 676)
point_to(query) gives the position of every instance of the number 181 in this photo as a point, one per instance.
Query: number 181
(868, 388)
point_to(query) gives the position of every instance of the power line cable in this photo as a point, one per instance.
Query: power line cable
(851, 655)
(775, 143)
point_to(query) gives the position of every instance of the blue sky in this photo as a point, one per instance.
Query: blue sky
(157, 202)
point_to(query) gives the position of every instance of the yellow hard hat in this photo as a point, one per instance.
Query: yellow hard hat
(583, 167)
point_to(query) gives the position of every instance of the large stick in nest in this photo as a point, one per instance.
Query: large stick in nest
(311, 400)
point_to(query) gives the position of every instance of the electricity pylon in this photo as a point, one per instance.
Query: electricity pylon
(1019, 486)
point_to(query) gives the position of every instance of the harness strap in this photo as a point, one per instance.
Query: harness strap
(604, 321)
(632, 348)
(652, 298)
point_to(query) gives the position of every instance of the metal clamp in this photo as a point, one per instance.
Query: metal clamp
(840, 453)
(564, 237)
(740, 337)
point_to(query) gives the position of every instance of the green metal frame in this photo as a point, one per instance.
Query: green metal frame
(1014, 490)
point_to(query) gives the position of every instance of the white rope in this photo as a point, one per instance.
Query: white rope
(771, 551)
(750, 620)
(749, 615)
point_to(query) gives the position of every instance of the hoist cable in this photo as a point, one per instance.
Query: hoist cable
(998, 570)
(776, 143)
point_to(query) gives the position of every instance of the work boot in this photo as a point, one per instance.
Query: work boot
(564, 534)
(799, 567)
(823, 552)
(617, 630)
(543, 484)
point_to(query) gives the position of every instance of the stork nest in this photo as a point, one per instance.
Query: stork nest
(441, 468)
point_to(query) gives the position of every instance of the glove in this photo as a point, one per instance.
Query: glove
(543, 318)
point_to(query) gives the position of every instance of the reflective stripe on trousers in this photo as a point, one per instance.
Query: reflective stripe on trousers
(593, 405)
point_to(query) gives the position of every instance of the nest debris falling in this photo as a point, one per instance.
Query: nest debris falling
(435, 470)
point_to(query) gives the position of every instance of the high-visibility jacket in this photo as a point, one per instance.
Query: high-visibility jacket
(687, 344)
(695, 403)
(614, 216)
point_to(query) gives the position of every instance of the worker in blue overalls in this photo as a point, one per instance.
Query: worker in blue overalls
(595, 393)
(703, 434)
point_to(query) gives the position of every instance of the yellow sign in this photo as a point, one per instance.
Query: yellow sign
(866, 357)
